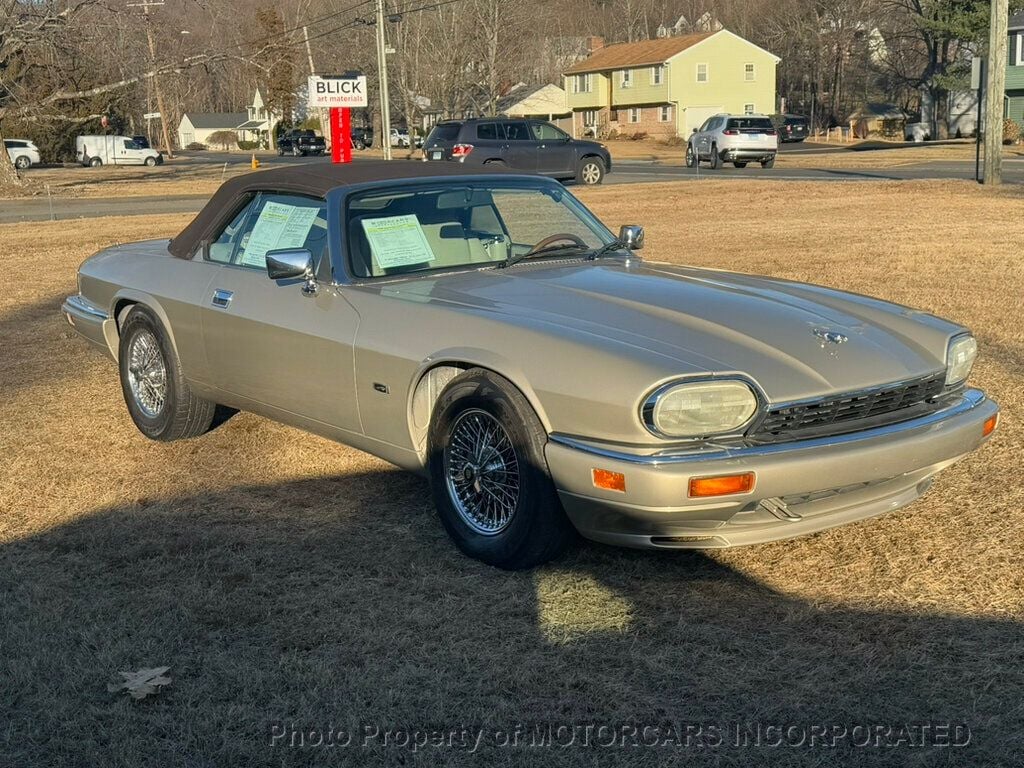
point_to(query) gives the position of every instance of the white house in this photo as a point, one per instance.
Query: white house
(545, 102)
(259, 123)
(197, 126)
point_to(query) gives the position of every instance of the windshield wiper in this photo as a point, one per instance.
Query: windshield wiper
(614, 245)
(553, 250)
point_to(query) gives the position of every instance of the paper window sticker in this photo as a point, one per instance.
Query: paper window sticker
(397, 241)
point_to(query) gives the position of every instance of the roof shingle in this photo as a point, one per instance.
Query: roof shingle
(639, 54)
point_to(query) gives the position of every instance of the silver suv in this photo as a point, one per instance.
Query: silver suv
(736, 139)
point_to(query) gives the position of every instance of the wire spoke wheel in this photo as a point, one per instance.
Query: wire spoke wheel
(482, 472)
(147, 373)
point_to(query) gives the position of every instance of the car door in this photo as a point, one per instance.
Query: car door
(705, 136)
(127, 152)
(556, 154)
(267, 341)
(521, 147)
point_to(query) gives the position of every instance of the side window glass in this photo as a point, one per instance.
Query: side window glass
(546, 132)
(282, 221)
(221, 249)
(487, 131)
(517, 132)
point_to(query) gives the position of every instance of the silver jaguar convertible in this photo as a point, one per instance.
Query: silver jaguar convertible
(488, 331)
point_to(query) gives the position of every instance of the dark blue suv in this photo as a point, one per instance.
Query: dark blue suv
(531, 146)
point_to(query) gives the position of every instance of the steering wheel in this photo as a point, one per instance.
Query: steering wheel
(552, 239)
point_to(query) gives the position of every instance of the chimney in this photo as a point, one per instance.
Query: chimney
(594, 43)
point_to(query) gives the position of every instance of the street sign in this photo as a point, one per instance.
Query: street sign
(151, 116)
(339, 91)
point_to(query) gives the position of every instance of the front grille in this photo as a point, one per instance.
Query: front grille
(853, 411)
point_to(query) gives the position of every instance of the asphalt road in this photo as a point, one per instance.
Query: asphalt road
(625, 172)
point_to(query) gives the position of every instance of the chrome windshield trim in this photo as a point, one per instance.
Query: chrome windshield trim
(79, 304)
(970, 399)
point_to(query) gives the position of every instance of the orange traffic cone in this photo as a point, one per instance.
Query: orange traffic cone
(254, 163)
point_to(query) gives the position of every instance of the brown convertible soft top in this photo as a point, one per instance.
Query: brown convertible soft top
(315, 180)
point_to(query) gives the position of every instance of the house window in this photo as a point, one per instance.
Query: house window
(665, 114)
(589, 118)
(634, 114)
(702, 73)
(627, 78)
(1018, 54)
(657, 75)
(581, 83)
(748, 72)
(748, 109)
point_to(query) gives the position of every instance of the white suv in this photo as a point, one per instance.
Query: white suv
(22, 152)
(736, 139)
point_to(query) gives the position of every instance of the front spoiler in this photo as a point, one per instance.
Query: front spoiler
(800, 488)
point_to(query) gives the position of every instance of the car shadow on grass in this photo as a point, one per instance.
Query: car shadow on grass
(338, 605)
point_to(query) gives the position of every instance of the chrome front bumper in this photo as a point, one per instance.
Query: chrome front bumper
(91, 322)
(800, 487)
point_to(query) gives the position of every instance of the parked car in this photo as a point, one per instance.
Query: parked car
(362, 138)
(791, 128)
(141, 141)
(22, 152)
(400, 138)
(113, 150)
(488, 331)
(917, 132)
(534, 146)
(736, 139)
(301, 143)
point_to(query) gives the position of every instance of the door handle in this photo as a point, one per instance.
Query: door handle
(221, 298)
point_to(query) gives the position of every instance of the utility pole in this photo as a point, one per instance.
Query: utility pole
(320, 112)
(145, 5)
(995, 92)
(382, 72)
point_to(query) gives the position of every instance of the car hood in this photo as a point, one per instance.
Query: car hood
(700, 321)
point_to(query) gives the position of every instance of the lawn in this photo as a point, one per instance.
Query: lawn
(293, 584)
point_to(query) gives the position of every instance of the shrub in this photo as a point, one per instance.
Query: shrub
(1011, 131)
(638, 136)
(225, 139)
(195, 146)
(612, 134)
(674, 141)
(247, 146)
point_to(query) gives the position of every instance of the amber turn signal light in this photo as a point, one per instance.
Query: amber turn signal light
(722, 485)
(990, 425)
(608, 480)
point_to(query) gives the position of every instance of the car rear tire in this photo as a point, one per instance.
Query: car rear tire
(691, 157)
(95, 162)
(159, 400)
(489, 477)
(740, 165)
(21, 162)
(769, 163)
(590, 171)
(715, 159)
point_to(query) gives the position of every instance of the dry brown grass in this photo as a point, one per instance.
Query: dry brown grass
(286, 578)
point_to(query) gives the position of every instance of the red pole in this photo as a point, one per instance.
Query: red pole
(336, 140)
(346, 135)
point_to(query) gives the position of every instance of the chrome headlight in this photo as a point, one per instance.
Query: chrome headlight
(960, 359)
(699, 408)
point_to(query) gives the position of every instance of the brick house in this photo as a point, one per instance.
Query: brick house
(668, 86)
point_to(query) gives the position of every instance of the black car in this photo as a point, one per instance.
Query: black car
(299, 142)
(532, 146)
(791, 128)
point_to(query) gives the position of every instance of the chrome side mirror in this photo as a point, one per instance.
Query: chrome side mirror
(289, 263)
(632, 236)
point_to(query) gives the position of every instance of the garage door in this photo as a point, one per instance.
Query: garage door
(694, 117)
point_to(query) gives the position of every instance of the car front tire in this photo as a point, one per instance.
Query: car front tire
(21, 162)
(715, 159)
(150, 161)
(590, 171)
(691, 157)
(159, 400)
(489, 476)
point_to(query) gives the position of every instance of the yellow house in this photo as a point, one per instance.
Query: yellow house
(670, 85)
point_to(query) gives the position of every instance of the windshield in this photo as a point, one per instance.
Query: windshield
(457, 225)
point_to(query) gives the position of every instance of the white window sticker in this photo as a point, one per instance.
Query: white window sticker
(397, 241)
(279, 226)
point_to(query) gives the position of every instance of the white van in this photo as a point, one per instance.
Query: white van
(113, 150)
